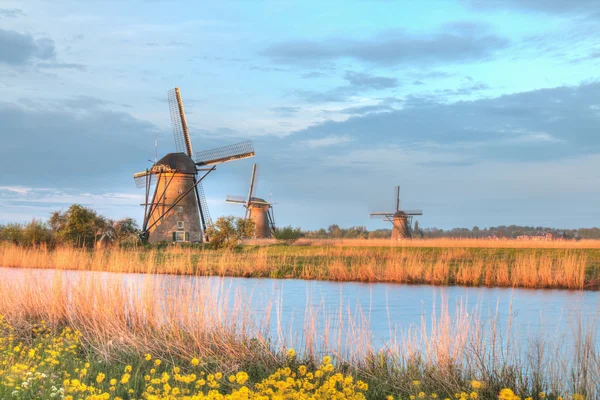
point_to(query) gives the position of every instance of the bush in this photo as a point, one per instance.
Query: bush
(228, 231)
(288, 235)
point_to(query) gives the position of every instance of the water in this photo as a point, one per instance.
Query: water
(382, 311)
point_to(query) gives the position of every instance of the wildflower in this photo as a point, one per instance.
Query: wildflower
(148, 357)
(577, 396)
(476, 385)
(100, 377)
(157, 362)
(474, 395)
(390, 398)
(128, 368)
(195, 361)
(241, 377)
(125, 378)
(291, 353)
(113, 382)
(542, 395)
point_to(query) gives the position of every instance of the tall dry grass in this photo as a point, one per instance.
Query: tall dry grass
(530, 268)
(131, 314)
(441, 242)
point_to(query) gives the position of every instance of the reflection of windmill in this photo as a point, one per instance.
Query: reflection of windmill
(259, 210)
(173, 212)
(400, 219)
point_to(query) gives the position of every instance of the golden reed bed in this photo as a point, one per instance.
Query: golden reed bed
(566, 268)
(442, 242)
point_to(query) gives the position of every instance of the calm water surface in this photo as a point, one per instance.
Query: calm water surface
(386, 309)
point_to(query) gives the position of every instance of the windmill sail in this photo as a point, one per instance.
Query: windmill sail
(225, 154)
(181, 134)
(204, 214)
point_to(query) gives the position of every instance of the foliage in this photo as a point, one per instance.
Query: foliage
(228, 231)
(57, 365)
(79, 226)
(288, 235)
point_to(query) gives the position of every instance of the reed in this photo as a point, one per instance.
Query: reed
(120, 317)
(561, 268)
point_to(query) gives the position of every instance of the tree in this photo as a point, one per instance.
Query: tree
(288, 235)
(13, 233)
(228, 231)
(79, 226)
(126, 228)
(36, 233)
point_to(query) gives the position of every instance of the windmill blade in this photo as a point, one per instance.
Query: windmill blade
(413, 212)
(181, 134)
(381, 215)
(225, 154)
(140, 179)
(251, 190)
(397, 197)
(236, 199)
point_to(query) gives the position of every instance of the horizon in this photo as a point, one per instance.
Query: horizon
(485, 113)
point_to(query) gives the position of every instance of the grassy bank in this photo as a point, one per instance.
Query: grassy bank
(205, 341)
(566, 268)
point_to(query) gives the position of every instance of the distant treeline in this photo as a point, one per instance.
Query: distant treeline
(509, 232)
(78, 226)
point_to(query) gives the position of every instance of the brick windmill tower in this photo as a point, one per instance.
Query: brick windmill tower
(401, 219)
(175, 209)
(257, 209)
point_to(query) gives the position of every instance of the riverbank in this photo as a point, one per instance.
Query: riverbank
(556, 268)
(116, 329)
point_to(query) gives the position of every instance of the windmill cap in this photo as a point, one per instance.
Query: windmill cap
(399, 214)
(179, 161)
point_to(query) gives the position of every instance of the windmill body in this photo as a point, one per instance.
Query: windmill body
(258, 210)
(182, 223)
(401, 219)
(175, 209)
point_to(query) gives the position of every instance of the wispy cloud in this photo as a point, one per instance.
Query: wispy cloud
(327, 141)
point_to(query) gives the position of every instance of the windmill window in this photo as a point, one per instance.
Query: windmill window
(180, 209)
(179, 224)
(179, 191)
(179, 236)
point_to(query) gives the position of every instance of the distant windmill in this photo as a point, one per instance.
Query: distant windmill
(400, 219)
(259, 210)
(177, 210)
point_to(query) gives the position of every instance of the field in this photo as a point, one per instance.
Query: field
(564, 265)
(100, 338)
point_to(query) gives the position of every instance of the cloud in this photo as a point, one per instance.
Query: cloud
(327, 141)
(455, 43)
(544, 124)
(547, 6)
(11, 13)
(19, 49)
(59, 65)
(362, 110)
(75, 143)
(285, 111)
(358, 82)
(361, 80)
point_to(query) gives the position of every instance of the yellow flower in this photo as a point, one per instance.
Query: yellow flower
(542, 395)
(416, 383)
(157, 362)
(291, 353)
(113, 382)
(195, 361)
(241, 377)
(125, 378)
(474, 395)
(100, 377)
(390, 398)
(148, 357)
(476, 385)
(128, 368)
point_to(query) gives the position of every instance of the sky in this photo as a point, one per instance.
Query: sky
(485, 113)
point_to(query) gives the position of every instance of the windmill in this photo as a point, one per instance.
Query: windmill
(175, 208)
(259, 210)
(400, 219)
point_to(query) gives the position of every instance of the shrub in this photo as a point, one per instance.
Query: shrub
(228, 231)
(287, 235)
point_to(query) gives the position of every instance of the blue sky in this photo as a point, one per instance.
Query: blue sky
(485, 112)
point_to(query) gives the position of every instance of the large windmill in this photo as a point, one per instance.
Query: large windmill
(177, 210)
(400, 219)
(259, 210)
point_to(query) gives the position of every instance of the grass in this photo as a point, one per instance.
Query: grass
(119, 321)
(443, 263)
